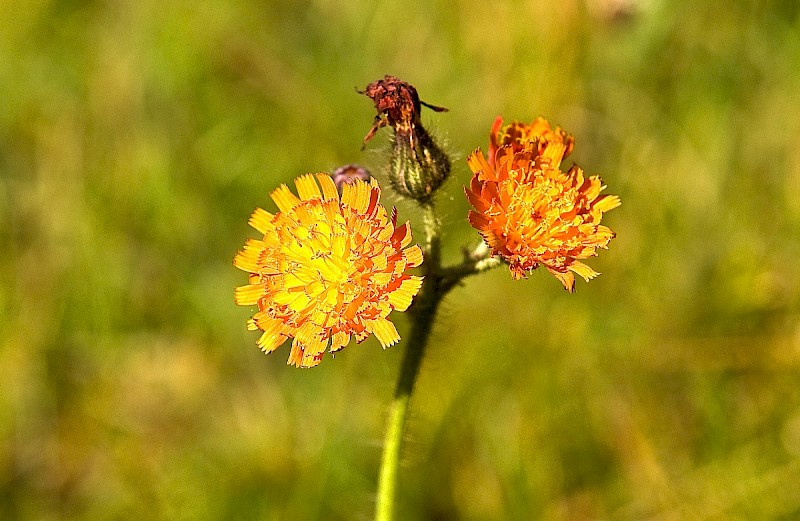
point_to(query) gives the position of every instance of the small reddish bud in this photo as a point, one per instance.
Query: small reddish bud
(347, 175)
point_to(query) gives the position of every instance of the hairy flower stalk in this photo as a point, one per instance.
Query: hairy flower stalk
(418, 166)
(423, 313)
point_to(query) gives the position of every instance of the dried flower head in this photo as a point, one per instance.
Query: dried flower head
(327, 268)
(530, 212)
(418, 166)
(398, 106)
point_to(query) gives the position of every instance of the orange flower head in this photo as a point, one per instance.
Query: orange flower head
(327, 268)
(534, 137)
(531, 213)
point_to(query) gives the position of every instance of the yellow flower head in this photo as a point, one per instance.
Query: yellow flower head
(531, 213)
(327, 268)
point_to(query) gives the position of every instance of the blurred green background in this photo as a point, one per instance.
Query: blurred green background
(136, 137)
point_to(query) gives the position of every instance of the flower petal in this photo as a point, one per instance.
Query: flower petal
(401, 298)
(307, 188)
(284, 198)
(261, 220)
(384, 331)
(248, 295)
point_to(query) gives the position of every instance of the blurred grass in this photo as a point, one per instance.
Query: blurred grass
(137, 137)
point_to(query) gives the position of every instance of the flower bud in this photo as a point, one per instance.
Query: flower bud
(417, 166)
(347, 175)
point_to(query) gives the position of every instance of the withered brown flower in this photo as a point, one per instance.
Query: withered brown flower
(398, 106)
(418, 166)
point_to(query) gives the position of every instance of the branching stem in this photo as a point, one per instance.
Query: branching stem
(438, 281)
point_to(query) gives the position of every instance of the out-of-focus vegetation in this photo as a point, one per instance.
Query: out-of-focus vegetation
(137, 136)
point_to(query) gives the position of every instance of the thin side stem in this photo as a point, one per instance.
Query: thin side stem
(476, 261)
